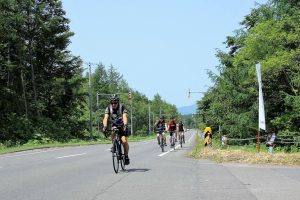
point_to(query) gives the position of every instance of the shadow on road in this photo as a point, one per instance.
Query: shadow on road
(137, 170)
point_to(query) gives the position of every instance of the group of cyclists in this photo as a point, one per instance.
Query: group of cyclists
(116, 113)
(161, 127)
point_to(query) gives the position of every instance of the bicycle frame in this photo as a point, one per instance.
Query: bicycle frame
(161, 140)
(118, 155)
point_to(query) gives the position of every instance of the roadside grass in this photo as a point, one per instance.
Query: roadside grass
(52, 144)
(245, 154)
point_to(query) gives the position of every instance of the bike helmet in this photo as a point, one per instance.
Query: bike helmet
(114, 97)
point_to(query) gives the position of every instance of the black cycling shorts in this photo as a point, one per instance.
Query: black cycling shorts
(171, 133)
(122, 132)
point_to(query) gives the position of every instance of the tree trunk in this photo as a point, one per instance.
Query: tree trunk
(24, 94)
(30, 60)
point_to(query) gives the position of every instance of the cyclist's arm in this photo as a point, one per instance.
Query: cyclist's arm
(125, 120)
(105, 119)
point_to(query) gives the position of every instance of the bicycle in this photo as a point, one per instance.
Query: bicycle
(118, 156)
(172, 139)
(161, 139)
(181, 138)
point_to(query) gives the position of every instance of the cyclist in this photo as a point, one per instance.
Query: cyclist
(160, 127)
(172, 128)
(181, 130)
(117, 114)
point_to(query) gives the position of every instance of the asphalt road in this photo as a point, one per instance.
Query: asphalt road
(86, 173)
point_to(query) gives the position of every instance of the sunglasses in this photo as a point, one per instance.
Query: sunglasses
(114, 102)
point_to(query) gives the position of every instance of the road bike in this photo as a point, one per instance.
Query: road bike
(161, 140)
(172, 139)
(181, 138)
(118, 156)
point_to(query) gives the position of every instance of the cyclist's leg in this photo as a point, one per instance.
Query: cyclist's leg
(112, 141)
(112, 137)
(164, 137)
(125, 144)
(157, 137)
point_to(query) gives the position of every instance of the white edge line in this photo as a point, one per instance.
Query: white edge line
(69, 156)
(160, 155)
(28, 154)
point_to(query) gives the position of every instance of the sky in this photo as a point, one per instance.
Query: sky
(159, 46)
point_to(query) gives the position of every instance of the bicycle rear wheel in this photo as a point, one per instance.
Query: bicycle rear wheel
(122, 156)
(181, 140)
(115, 157)
(173, 140)
(162, 145)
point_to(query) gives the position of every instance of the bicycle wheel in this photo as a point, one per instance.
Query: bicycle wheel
(115, 157)
(181, 140)
(162, 145)
(122, 156)
(173, 142)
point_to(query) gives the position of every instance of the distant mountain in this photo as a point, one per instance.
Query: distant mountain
(186, 110)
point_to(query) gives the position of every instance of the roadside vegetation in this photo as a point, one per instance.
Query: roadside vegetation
(34, 144)
(43, 87)
(269, 35)
(244, 154)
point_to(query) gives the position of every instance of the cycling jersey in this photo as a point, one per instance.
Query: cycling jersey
(116, 115)
(172, 125)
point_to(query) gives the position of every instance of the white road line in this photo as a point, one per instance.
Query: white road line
(160, 155)
(69, 156)
(163, 154)
(28, 154)
(190, 138)
(107, 149)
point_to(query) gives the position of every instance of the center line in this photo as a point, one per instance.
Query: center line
(69, 156)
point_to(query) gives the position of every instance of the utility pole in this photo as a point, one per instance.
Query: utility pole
(90, 94)
(98, 117)
(131, 118)
(153, 121)
(149, 120)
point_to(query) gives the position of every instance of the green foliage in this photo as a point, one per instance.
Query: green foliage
(270, 35)
(39, 79)
(107, 80)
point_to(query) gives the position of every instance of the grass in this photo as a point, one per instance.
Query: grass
(30, 146)
(247, 155)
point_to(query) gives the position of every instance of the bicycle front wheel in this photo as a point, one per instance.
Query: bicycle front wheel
(122, 156)
(115, 157)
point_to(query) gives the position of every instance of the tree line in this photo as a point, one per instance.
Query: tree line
(269, 35)
(43, 90)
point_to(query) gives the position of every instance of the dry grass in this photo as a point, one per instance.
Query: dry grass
(220, 155)
(239, 156)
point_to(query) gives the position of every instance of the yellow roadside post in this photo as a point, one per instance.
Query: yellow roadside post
(208, 136)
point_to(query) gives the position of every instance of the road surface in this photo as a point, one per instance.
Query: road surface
(86, 173)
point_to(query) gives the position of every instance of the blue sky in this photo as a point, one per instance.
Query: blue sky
(160, 46)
